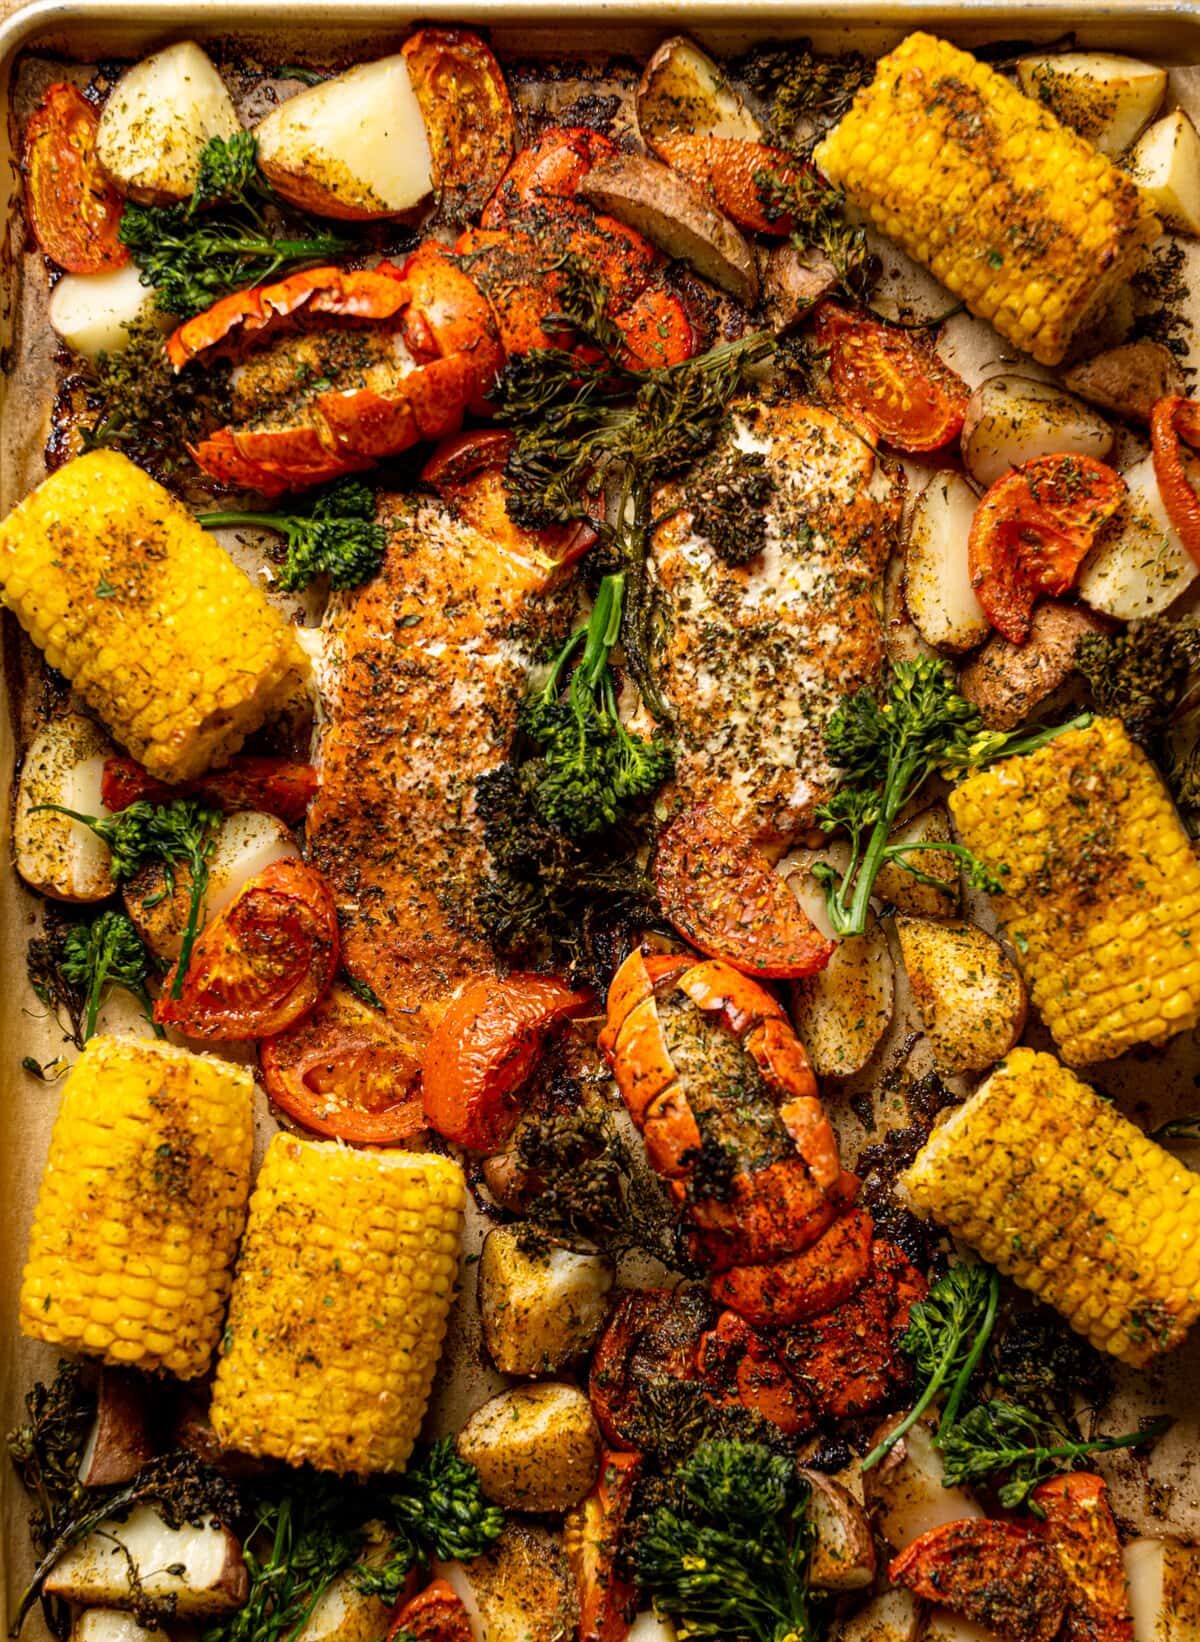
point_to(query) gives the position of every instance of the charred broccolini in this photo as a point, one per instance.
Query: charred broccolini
(335, 533)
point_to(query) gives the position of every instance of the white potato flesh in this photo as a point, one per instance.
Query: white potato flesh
(967, 989)
(1166, 164)
(944, 1626)
(1012, 419)
(843, 1557)
(536, 1447)
(92, 313)
(682, 89)
(1106, 98)
(893, 1616)
(648, 1627)
(842, 1012)
(345, 1614)
(902, 637)
(158, 117)
(353, 147)
(1164, 1590)
(937, 577)
(200, 1568)
(111, 1625)
(55, 855)
(540, 1308)
(900, 889)
(1140, 566)
(904, 1492)
(520, 1590)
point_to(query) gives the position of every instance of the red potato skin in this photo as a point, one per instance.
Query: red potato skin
(1000, 1575)
(1079, 1527)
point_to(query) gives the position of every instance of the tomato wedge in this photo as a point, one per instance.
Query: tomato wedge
(593, 1549)
(343, 1072)
(74, 211)
(1000, 1575)
(263, 963)
(275, 785)
(1032, 531)
(736, 172)
(468, 115)
(1078, 1523)
(718, 890)
(901, 389)
(484, 1048)
(1171, 419)
(436, 1614)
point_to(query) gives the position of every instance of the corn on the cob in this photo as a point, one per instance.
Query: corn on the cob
(339, 1307)
(1101, 890)
(159, 631)
(1025, 221)
(141, 1206)
(1052, 1185)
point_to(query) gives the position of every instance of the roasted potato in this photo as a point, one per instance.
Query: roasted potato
(648, 1627)
(520, 1590)
(937, 578)
(1166, 165)
(1107, 99)
(158, 117)
(944, 1626)
(111, 1625)
(1139, 567)
(541, 1307)
(119, 1442)
(794, 280)
(682, 89)
(536, 1447)
(343, 1613)
(843, 1557)
(893, 1616)
(354, 147)
(904, 1492)
(968, 990)
(901, 890)
(1008, 682)
(1012, 419)
(1164, 1590)
(1127, 380)
(901, 636)
(200, 1569)
(676, 216)
(842, 1012)
(92, 313)
(55, 855)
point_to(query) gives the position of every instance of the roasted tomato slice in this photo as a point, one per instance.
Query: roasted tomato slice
(436, 1614)
(277, 786)
(74, 212)
(343, 1072)
(718, 890)
(901, 389)
(997, 1574)
(1032, 531)
(263, 963)
(748, 180)
(1171, 419)
(485, 1046)
(468, 115)
(1078, 1523)
(592, 1536)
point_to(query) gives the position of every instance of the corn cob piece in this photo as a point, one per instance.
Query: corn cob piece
(1101, 888)
(159, 631)
(141, 1206)
(1025, 221)
(1050, 1183)
(339, 1307)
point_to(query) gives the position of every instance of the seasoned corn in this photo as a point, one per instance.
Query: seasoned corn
(159, 631)
(1025, 221)
(1051, 1184)
(340, 1303)
(141, 1206)
(1101, 892)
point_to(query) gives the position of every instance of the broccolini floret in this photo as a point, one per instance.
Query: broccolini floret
(333, 533)
(99, 955)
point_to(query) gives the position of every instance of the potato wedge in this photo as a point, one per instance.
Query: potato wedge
(1164, 1590)
(901, 890)
(111, 1625)
(536, 1447)
(354, 147)
(968, 990)
(901, 636)
(540, 1308)
(1012, 419)
(904, 1492)
(55, 855)
(843, 1557)
(158, 117)
(1008, 682)
(1106, 98)
(119, 1442)
(520, 1590)
(892, 1616)
(92, 313)
(682, 89)
(944, 1626)
(200, 1569)
(1165, 163)
(842, 1013)
(1139, 567)
(937, 579)
(343, 1613)
(793, 282)
(1127, 380)
(648, 1627)
(676, 216)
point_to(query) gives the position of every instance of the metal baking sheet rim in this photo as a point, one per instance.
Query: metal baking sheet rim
(1168, 30)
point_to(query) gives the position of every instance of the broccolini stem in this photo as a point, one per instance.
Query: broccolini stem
(963, 1380)
(198, 864)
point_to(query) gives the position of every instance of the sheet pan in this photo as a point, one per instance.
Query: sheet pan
(1162, 1497)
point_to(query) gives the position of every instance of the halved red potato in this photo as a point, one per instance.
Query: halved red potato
(683, 89)
(157, 119)
(1012, 419)
(968, 990)
(55, 855)
(937, 578)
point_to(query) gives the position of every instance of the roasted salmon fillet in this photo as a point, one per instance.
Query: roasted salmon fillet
(753, 657)
(421, 678)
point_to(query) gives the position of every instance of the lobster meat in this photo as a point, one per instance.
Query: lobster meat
(338, 369)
